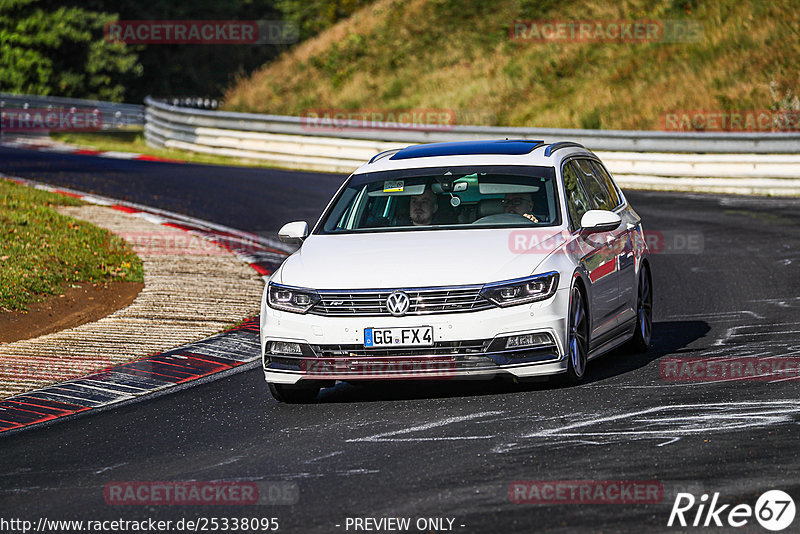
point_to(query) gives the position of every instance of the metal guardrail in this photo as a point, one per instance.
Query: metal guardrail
(748, 163)
(751, 164)
(114, 115)
(612, 140)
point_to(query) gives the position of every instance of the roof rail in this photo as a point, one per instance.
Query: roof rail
(383, 154)
(561, 144)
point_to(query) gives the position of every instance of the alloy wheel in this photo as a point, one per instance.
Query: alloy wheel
(578, 335)
(645, 307)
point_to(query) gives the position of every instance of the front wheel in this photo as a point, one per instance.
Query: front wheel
(640, 341)
(293, 394)
(577, 339)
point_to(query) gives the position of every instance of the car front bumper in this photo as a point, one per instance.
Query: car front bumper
(467, 345)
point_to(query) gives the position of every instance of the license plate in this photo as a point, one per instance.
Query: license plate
(416, 336)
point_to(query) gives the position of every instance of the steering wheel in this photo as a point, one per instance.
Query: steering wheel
(503, 218)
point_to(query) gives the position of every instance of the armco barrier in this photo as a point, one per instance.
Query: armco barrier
(611, 140)
(114, 115)
(744, 163)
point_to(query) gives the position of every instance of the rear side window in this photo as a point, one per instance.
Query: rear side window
(605, 178)
(599, 195)
(577, 203)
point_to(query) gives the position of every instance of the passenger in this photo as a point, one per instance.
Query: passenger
(422, 208)
(519, 204)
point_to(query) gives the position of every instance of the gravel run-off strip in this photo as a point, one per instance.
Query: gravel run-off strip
(193, 289)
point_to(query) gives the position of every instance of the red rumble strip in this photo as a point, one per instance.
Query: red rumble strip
(33, 145)
(223, 352)
(124, 382)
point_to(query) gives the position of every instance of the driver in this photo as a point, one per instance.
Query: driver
(520, 204)
(422, 208)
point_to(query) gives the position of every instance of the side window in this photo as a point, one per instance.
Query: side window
(599, 196)
(606, 180)
(355, 211)
(341, 212)
(577, 203)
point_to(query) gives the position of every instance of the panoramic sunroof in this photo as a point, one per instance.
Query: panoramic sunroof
(514, 147)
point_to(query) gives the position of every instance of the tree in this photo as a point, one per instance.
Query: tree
(190, 69)
(59, 50)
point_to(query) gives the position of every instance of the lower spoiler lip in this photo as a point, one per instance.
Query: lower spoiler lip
(431, 365)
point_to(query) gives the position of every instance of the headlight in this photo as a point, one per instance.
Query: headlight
(521, 290)
(291, 299)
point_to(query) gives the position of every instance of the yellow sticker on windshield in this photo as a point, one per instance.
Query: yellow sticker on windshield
(393, 186)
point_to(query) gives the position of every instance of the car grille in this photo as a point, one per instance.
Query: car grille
(424, 301)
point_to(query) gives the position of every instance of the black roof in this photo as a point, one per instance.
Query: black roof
(514, 147)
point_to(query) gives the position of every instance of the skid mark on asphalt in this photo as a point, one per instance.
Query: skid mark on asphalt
(323, 457)
(306, 474)
(680, 420)
(392, 436)
(227, 461)
(717, 316)
(665, 425)
(109, 468)
(762, 334)
(786, 302)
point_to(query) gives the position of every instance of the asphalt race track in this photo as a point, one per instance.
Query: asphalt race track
(233, 196)
(451, 449)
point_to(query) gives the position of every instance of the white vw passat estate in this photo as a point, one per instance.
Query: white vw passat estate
(459, 260)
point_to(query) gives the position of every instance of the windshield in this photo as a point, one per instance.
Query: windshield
(446, 197)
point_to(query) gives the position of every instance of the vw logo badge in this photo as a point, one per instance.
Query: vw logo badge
(398, 303)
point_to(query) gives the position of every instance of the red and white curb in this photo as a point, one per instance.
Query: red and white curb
(237, 349)
(61, 148)
(234, 350)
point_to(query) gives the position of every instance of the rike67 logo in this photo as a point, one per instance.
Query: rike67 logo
(774, 510)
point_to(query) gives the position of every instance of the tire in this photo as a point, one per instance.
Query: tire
(640, 342)
(577, 339)
(292, 394)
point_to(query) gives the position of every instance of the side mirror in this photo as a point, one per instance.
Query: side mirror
(293, 233)
(600, 221)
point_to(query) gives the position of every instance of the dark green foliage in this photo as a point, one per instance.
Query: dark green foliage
(52, 47)
(59, 50)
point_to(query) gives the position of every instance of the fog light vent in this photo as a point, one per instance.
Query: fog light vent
(284, 347)
(528, 340)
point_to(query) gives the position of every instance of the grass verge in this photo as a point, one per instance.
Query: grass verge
(42, 251)
(462, 56)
